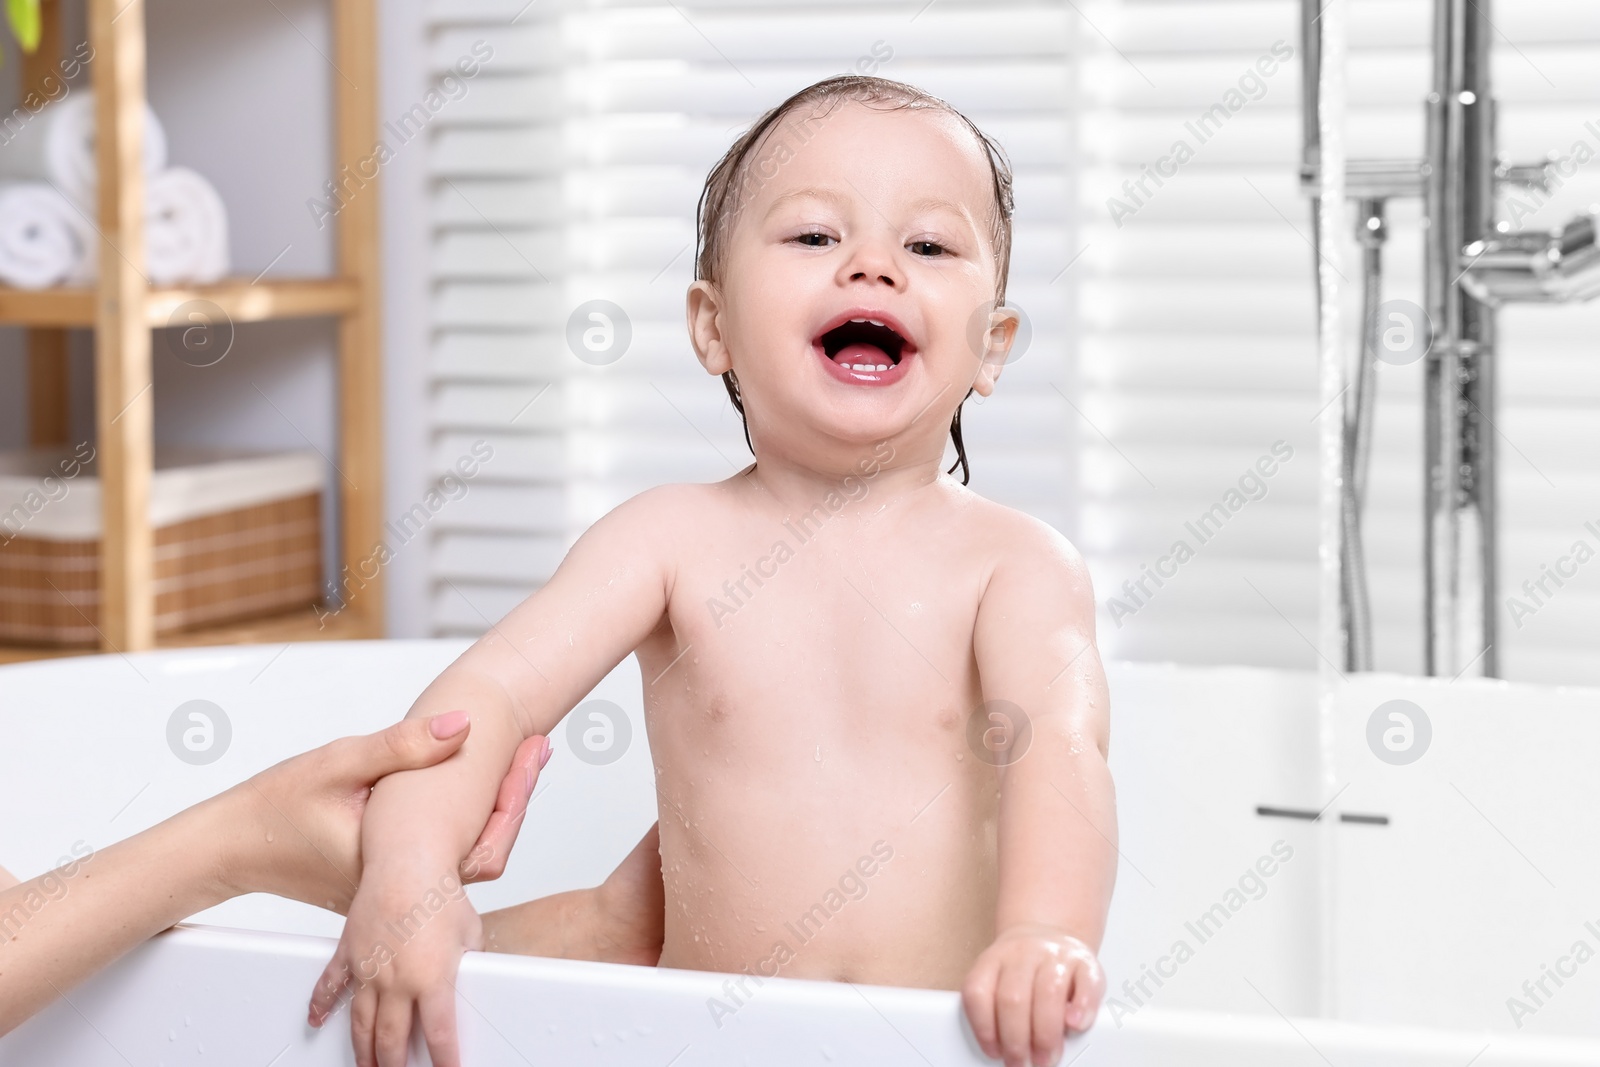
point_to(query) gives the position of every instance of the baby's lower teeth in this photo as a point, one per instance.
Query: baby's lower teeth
(869, 366)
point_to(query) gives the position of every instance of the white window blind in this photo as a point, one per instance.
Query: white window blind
(569, 172)
(1198, 346)
(1198, 342)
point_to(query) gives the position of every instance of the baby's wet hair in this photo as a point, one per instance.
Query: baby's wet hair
(737, 176)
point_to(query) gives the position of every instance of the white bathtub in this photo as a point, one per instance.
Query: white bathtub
(1371, 944)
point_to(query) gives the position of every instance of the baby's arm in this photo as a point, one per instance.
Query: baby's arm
(622, 920)
(1034, 643)
(608, 594)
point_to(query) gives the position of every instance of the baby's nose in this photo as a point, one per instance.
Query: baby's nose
(861, 274)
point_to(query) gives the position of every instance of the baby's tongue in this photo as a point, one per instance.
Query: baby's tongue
(862, 353)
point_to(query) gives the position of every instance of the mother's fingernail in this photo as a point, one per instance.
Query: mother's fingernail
(447, 725)
(548, 751)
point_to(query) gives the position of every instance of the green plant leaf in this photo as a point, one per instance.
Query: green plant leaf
(25, 23)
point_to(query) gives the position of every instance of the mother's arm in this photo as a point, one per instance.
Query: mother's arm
(293, 830)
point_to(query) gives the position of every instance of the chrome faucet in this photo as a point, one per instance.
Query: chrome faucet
(1472, 264)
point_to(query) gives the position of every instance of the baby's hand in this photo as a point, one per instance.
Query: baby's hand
(1027, 989)
(401, 948)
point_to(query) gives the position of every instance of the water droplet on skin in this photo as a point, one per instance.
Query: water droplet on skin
(961, 755)
(819, 754)
(269, 841)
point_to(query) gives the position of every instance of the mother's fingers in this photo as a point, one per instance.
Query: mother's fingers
(407, 745)
(487, 860)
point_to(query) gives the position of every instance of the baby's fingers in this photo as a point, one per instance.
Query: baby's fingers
(363, 1022)
(1050, 984)
(1088, 989)
(392, 1034)
(325, 997)
(438, 1011)
(1014, 1012)
(977, 998)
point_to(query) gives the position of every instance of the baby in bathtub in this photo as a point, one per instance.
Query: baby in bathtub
(877, 715)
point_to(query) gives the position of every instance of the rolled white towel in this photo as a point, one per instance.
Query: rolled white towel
(186, 229)
(185, 236)
(57, 145)
(44, 240)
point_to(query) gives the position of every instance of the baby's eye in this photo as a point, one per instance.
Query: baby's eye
(926, 248)
(813, 240)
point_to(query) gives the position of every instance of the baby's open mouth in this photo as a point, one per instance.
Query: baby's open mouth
(863, 344)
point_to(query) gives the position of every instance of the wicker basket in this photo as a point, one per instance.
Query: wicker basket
(236, 537)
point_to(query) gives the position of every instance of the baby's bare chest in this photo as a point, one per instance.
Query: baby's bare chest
(789, 629)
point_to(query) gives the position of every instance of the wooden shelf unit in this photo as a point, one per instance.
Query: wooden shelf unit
(123, 308)
(296, 626)
(240, 300)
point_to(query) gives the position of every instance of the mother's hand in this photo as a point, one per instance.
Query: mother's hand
(293, 829)
(299, 831)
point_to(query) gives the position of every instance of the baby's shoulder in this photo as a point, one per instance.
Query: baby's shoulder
(663, 512)
(1015, 535)
(1024, 556)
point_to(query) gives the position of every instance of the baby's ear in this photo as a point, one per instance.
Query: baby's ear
(705, 333)
(996, 345)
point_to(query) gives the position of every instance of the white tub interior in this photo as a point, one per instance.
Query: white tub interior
(1484, 873)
